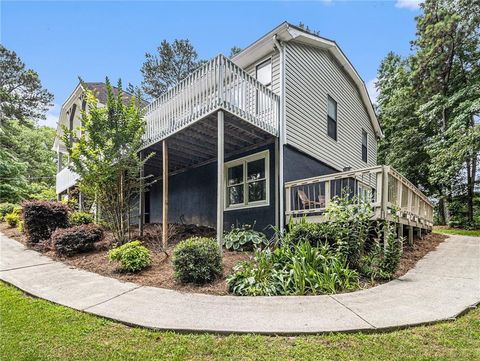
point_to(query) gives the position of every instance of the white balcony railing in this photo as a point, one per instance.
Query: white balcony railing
(65, 179)
(386, 189)
(219, 83)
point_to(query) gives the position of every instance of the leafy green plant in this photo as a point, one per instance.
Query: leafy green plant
(6, 208)
(132, 256)
(77, 218)
(21, 226)
(197, 260)
(12, 219)
(381, 262)
(348, 227)
(243, 239)
(293, 269)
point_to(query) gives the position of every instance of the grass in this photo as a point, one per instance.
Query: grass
(457, 231)
(34, 329)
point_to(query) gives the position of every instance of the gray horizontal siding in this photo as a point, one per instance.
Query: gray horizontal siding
(251, 69)
(311, 75)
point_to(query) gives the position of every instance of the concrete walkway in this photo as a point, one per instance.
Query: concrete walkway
(442, 285)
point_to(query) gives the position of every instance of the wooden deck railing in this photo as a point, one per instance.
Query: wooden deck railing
(217, 84)
(386, 189)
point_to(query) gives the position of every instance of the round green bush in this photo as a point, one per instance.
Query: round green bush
(12, 219)
(133, 257)
(197, 260)
(77, 218)
(6, 208)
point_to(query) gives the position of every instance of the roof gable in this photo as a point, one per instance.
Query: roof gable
(287, 32)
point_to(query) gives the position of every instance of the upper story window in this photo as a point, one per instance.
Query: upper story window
(264, 73)
(364, 145)
(332, 118)
(247, 181)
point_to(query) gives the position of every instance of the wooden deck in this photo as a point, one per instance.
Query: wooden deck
(388, 191)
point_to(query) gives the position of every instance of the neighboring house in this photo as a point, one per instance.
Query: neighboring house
(70, 117)
(292, 125)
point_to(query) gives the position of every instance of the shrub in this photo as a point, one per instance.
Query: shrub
(78, 239)
(12, 219)
(77, 218)
(293, 269)
(6, 208)
(21, 226)
(132, 256)
(382, 262)
(243, 239)
(348, 227)
(197, 260)
(42, 218)
(306, 232)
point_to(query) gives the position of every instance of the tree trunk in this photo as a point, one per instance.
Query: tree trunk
(441, 211)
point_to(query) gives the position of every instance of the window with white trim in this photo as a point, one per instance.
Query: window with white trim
(332, 118)
(247, 181)
(364, 145)
(264, 72)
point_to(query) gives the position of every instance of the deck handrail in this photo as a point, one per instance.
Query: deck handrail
(219, 83)
(389, 191)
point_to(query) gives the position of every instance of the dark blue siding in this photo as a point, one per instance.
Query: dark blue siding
(298, 165)
(193, 198)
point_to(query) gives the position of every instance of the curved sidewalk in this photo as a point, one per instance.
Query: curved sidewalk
(441, 286)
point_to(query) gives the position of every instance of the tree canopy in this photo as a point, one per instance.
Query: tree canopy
(22, 96)
(171, 63)
(428, 104)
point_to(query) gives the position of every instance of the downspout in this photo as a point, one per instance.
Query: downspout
(281, 130)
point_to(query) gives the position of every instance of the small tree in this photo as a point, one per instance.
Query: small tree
(104, 152)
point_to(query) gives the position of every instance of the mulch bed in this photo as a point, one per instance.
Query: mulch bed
(160, 273)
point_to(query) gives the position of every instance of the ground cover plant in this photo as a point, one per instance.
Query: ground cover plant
(6, 208)
(244, 238)
(31, 328)
(132, 256)
(197, 260)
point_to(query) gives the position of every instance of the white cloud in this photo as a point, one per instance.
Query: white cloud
(372, 90)
(408, 4)
(52, 117)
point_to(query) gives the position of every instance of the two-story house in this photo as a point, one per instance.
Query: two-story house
(274, 132)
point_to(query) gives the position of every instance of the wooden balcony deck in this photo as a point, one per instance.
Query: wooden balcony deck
(218, 84)
(387, 189)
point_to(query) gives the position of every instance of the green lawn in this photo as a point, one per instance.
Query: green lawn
(33, 329)
(461, 232)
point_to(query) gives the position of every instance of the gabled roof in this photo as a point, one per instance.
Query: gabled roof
(286, 32)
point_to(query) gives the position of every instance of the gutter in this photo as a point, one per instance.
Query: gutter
(281, 130)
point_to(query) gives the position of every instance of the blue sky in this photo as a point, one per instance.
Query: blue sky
(62, 40)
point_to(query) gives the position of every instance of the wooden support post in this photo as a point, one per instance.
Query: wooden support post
(384, 200)
(419, 233)
(165, 195)
(277, 183)
(400, 230)
(220, 176)
(141, 200)
(410, 235)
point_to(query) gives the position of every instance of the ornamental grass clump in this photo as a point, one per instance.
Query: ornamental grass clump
(132, 256)
(13, 218)
(197, 260)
